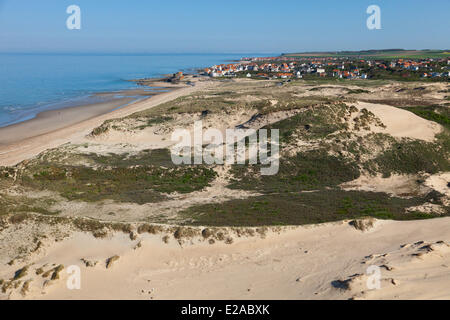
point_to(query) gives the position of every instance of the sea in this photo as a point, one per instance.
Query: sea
(32, 83)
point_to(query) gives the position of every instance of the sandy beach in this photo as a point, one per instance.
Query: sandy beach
(53, 120)
(52, 128)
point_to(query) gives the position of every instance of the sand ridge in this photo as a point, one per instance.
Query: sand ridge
(327, 261)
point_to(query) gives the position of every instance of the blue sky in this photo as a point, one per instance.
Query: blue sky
(204, 26)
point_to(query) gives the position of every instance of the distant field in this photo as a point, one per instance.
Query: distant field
(377, 54)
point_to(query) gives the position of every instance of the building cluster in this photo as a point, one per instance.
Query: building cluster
(260, 67)
(426, 67)
(344, 68)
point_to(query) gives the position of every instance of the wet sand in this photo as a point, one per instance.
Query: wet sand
(52, 120)
(53, 128)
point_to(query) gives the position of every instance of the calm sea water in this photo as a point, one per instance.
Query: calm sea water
(31, 83)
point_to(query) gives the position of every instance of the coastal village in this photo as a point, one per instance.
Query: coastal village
(332, 67)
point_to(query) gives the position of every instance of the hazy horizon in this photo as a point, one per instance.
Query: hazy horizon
(208, 27)
(205, 53)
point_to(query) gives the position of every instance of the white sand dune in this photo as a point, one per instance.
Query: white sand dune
(327, 261)
(401, 123)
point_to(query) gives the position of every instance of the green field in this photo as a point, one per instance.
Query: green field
(376, 54)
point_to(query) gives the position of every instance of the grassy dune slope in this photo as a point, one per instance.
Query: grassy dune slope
(326, 141)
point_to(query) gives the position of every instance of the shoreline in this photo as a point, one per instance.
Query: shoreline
(51, 120)
(27, 139)
(144, 89)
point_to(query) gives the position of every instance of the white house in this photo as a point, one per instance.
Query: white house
(320, 70)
